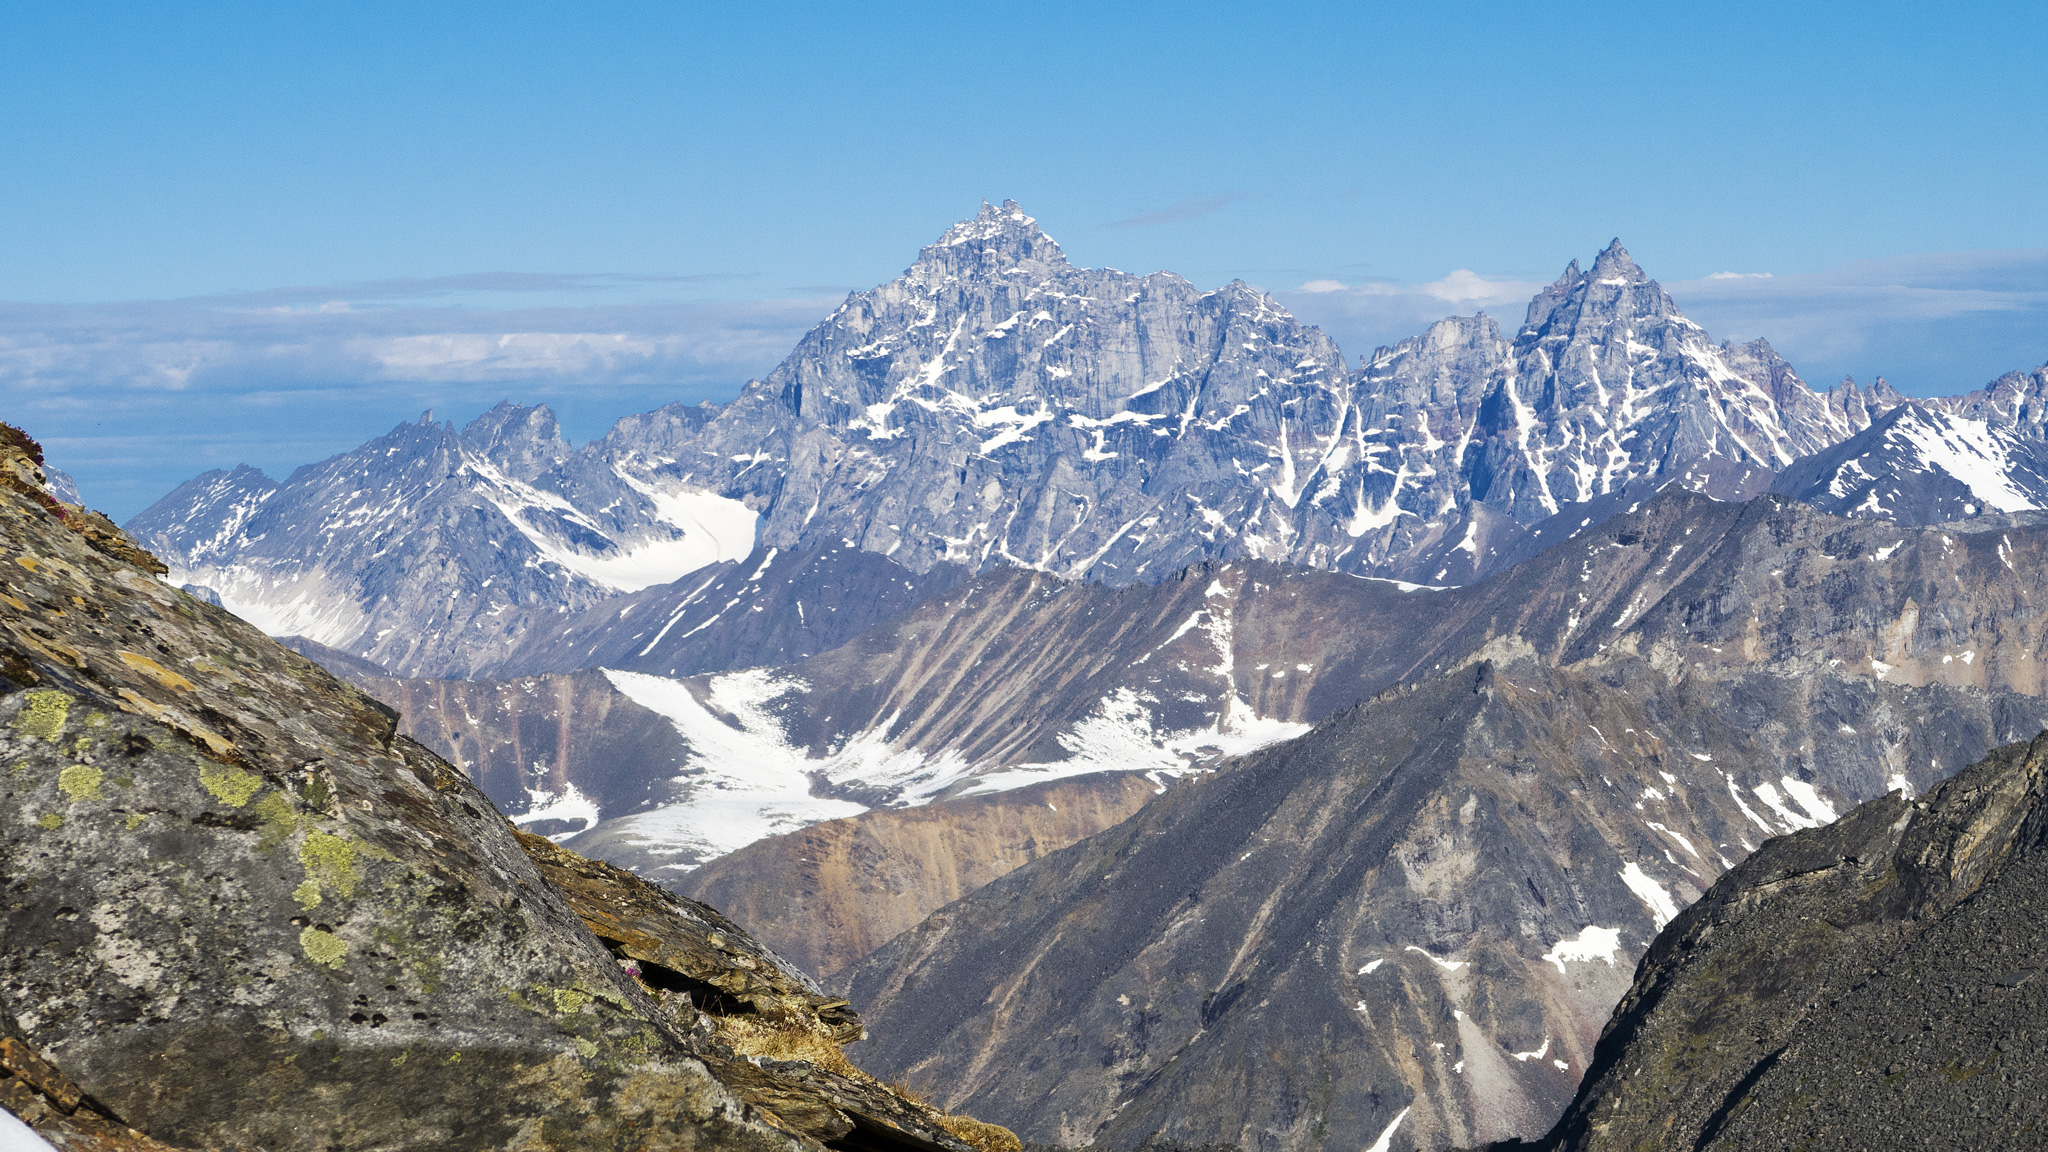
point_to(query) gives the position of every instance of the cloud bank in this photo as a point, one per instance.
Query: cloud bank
(134, 398)
(1933, 323)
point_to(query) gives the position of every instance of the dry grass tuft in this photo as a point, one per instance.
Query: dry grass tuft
(787, 1040)
(984, 1136)
(810, 1041)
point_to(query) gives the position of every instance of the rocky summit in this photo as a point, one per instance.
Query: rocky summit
(239, 910)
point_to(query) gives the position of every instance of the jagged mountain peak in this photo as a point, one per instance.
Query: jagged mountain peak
(1001, 229)
(522, 441)
(1615, 265)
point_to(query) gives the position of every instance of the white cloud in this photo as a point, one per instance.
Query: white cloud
(276, 383)
(1466, 287)
(1324, 286)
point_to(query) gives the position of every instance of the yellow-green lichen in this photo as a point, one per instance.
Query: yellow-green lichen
(80, 782)
(50, 821)
(569, 1001)
(307, 893)
(330, 863)
(230, 786)
(279, 819)
(586, 1049)
(97, 719)
(134, 821)
(42, 713)
(323, 947)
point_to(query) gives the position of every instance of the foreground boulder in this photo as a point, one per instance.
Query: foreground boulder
(238, 910)
(1874, 983)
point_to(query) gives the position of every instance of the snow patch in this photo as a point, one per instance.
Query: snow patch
(1592, 943)
(1663, 910)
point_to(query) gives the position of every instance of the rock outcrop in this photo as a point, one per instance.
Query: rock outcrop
(241, 910)
(1874, 983)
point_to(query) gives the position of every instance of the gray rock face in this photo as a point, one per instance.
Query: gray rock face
(2015, 402)
(1405, 921)
(1920, 465)
(1875, 983)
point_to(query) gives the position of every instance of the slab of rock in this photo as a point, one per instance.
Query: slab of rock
(240, 911)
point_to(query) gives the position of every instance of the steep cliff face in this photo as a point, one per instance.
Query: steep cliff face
(1874, 983)
(832, 893)
(241, 910)
(1404, 923)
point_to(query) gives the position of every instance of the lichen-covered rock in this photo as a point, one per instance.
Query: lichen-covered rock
(240, 911)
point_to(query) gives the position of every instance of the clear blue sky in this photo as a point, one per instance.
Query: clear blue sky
(697, 183)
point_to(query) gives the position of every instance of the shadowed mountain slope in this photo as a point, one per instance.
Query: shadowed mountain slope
(1874, 983)
(1272, 955)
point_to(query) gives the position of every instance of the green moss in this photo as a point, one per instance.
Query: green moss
(230, 786)
(50, 821)
(80, 782)
(323, 947)
(316, 791)
(43, 713)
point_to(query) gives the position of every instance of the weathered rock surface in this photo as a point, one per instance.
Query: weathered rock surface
(240, 910)
(1872, 984)
(1270, 956)
(828, 895)
(777, 606)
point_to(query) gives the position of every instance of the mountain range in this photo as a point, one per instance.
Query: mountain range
(1168, 729)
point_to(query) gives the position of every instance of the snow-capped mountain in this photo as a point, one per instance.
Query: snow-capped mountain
(1921, 465)
(430, 540)
(997, 406)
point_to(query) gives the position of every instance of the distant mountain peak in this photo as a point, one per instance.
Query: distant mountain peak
(1003, 227)
(1615, 264)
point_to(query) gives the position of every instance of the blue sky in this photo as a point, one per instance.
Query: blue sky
(267, 232)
